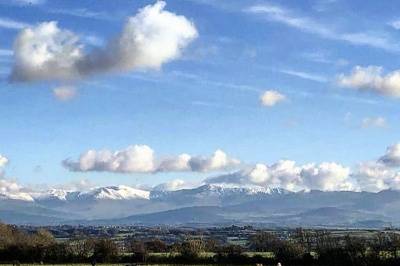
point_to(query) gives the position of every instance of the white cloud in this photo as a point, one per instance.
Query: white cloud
(12, 190)
(218, 161)
(395, 181)
(271, 97)
(381, 174)
(392, 156)
(64, 93)
(283, 174)
(8, 23)
(175, 164)
(378, 122)
(371, 78)
(174, 185)
(148, 40)
(373, 176)
(140, 158)
(46, 52)
(327, 176)
(289, 18)
(137, 158)
(286, 174)
(3, 161)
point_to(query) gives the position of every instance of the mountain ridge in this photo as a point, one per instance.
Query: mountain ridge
(235, 204)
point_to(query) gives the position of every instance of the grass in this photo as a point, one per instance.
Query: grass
(261, 254)
(172, 254)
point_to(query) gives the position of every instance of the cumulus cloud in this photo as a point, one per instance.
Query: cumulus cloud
(327, 176)
(149, 39)
(64, 93)
(3, 161)
(140, 159)
(380, 174)
(137, 158)
(271, 97)
(218, 161)
(174, 185)
(179, 163)
(372, 79)
(371, 176)
(286, 174)
(379, 122)
(46, 52)
(281, 174)
(392, 156)
(374, 176)
(10, 189)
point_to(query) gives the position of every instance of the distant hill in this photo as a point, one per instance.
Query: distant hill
(187, 215)
(207, 204)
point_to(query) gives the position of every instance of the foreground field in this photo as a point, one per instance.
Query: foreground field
(212, 254)
(207, 247)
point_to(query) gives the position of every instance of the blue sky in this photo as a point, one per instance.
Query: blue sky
(208, 98)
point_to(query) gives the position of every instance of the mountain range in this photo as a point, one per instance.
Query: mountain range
(210, 204)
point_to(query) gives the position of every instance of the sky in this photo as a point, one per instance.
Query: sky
(296, 94)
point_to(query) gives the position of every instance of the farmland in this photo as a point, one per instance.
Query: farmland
(186, 245)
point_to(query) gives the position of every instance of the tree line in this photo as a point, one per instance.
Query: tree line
(301, 247)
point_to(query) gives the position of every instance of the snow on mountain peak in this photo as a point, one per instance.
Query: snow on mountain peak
(106, 193)
(118, 193)
(54, 193)
(245, 189)
(123, 192)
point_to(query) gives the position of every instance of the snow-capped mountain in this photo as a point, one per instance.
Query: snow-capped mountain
(211, 202)
(101, 193)
(52, 194)
(222, 189)
(123, 192)
(215, 195)
(116, 193)
(110, 201)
